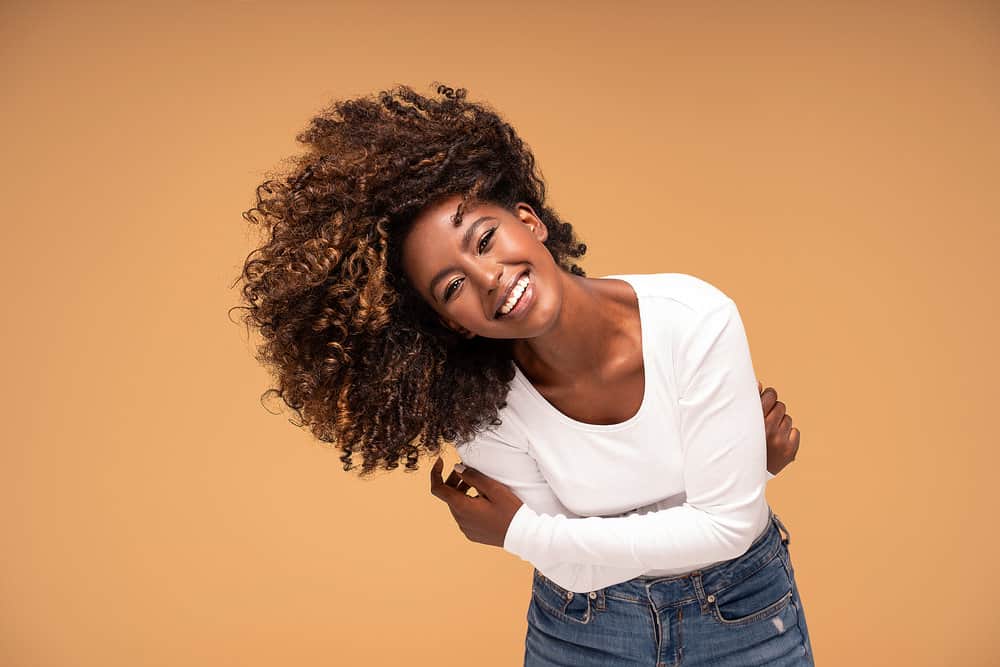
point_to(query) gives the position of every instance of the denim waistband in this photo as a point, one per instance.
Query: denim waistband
(680, 588)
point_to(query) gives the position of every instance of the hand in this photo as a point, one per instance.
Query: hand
(483, 518)
(782, 438)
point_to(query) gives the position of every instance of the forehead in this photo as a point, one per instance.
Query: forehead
(439, 215)
(435, 228)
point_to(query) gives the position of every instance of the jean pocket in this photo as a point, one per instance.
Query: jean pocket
(561, 603)
(760, 596)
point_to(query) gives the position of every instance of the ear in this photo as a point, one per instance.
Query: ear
(528, 216)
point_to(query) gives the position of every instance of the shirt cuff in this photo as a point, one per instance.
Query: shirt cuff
(517, 529)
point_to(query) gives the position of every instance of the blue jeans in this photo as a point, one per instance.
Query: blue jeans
(741, 612)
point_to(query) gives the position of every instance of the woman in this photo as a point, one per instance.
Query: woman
(417, 288)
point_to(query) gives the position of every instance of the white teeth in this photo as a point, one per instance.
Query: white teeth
(515, 295)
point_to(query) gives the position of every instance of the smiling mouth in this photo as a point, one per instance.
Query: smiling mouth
(524, 278)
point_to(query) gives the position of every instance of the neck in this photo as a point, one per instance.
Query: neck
(579, 343)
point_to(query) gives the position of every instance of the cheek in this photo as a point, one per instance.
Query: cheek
(469, 314)
(524, 240)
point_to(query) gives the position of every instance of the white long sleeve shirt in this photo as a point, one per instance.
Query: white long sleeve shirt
(676, 487)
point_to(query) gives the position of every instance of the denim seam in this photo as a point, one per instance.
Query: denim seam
(680, 636)
(624, 598)
(561, 614)
(677, 603)
(699, 590)
(800, 622)
(541, 579)
(770, 610)
(785, 563)
(657, 630)
(786, 560)
(786, 536)
(551, 584)
(774, 553)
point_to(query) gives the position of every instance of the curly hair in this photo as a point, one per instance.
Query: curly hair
(357, 353)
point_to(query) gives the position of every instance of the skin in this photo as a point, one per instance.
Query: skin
(579, 343)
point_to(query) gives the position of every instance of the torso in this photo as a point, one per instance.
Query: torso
(615, 392)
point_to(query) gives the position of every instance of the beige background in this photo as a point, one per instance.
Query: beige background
(832, 167)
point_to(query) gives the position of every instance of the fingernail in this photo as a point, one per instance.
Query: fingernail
(459, 468)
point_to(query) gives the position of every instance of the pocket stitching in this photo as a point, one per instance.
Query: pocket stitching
(770, 610)
(536, 594)
(768, 559)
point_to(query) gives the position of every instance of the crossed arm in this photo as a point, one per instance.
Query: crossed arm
(526, 482)
(723, 440)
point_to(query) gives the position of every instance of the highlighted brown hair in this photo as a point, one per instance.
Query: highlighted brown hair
(357, 354)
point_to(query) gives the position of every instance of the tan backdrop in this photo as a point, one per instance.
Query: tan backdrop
(831, 167)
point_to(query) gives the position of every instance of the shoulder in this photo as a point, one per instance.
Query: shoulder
(686, 291)
(501, 452)
(507, 436)
(694, 318)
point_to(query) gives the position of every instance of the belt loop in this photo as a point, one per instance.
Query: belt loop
(787, 537)
(699, 589)
(597, 599)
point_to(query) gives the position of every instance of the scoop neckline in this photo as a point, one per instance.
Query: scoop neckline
(644, 344)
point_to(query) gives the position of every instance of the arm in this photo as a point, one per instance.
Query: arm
(511, 464)
(723, 440)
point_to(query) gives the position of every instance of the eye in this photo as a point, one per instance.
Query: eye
(486, 237)
(448, 290)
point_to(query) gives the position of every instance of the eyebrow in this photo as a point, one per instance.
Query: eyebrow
(466, 239)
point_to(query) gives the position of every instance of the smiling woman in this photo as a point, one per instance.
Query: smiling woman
(517, 272)
(358, 349)
(416, 289)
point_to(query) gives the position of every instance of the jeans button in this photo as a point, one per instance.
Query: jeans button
(569, 595)
(592, 595)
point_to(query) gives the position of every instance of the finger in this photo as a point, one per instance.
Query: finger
(436, 475)
(438, 488)
(760, 387)
(773, 419)
(485, 485)
(453, 479)
(767, 399)
(456, 482)
(783, 431)
(786, 423)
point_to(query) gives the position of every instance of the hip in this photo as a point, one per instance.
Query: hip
(743, 611)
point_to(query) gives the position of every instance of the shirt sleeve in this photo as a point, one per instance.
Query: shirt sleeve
(725, 466)
(506, 458)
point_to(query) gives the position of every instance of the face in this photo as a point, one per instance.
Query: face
(467, 273)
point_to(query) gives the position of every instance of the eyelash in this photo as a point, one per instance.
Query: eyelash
(486, 237)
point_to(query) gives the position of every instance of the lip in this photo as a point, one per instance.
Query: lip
(526, 300)
(506, 293)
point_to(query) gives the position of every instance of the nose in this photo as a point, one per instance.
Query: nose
(486, 275)
(497, 276)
